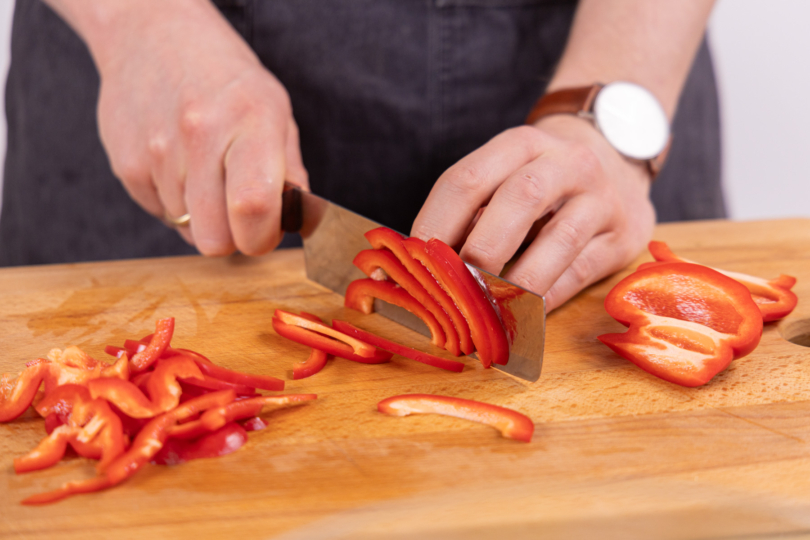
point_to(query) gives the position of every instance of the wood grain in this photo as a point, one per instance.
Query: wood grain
(617, 453)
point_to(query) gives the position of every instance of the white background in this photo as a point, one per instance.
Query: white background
(761, 55)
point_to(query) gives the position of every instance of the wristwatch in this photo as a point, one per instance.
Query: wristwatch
(628, 115)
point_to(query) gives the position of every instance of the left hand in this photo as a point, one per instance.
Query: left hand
(602, 217)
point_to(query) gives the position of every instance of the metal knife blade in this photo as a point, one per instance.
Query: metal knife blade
(333, 235)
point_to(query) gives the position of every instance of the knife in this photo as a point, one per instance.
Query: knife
(333, 236)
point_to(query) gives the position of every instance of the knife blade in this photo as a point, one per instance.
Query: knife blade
(333, 236)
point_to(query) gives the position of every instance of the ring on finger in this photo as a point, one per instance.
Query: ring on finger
(181, 221)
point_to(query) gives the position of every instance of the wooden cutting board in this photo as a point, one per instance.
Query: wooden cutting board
(617, 453)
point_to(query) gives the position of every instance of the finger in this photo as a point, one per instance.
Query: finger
(296, 172)
(559, 243)
(255, 168)
(168, 181)
(600, 258)
(519, 202)
(467, 185)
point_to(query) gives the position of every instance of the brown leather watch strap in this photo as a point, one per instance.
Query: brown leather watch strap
(579, 101)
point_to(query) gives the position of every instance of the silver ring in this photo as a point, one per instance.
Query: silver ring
(182, 221)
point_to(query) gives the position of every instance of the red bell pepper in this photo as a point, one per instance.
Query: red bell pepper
(90, 427)
(774, 297)
(372, 261)
(226, 440)
(360, 295)
(209, 368)
(160, 340)
(359, 348)
(327, 344)
(511, 424)
(383, 238)
(396, 348)
(686, 322)
(145, 446)
(163, 388)
(453, 275)
(317, 357)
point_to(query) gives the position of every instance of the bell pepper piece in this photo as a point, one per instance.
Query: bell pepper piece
(396, 348)
(226, 440)
(360, 295)
(17, 396)
(453, 275)
(403, 249)
(774, 297)
(255, 424)
(90, 427)
(211, 383)
(686, 322)
(69, 488)
(372, 261)
(511, 424)
(163, 388)
(317, 357)
(264, 382)
(327, 344)
(164, 329)
(359, 348)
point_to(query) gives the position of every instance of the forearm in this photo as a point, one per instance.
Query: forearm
(649, 42)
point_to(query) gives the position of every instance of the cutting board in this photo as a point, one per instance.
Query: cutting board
(616, 453)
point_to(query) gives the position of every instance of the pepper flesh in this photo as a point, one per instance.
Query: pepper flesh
(402, 248)
(360, 295)
(372, 260)
(164, 329)
(317, 357)
(452, 273)
(396, 348)
(511, 424)
(773, 297)
(359, 348)
(686, 322)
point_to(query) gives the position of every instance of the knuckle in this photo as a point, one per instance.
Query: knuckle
(251, 202)
(466, 178)
(529, 190)
(529, 278)
(482, 254)
(583, 269)
(158, 146)
(570, 233)
(195, 121)
(131, 170)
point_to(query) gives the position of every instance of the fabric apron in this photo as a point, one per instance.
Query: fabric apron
(387, 95)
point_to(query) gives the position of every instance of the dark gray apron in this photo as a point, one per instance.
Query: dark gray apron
(387, 95)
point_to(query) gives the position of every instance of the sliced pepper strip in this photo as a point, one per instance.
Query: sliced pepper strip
(264, 382)
(370, 261)
(164, 329)
(453, 275)
(686, 322)
(403, 249)
(91, 428)
(774, 297)
(317, 357)
(331, 346)
(360, 349)
(226, 440)
(360, 295)
(163, 388)
(396, 348)
(511, 424)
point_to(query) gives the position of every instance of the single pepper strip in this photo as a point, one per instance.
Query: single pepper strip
(209, 368)
(372, 261)
(403, 249)
(360, 295)
(686, 322)
(359, 348)
(511, 424)
(396, 348)
(317, 357)
(327, 344)
(452, 273)
(774, 297)
(164, 329)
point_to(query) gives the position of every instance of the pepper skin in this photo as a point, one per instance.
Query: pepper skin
(686, 322)
(511, 424)
(396, 348)
(359, 348)
(402, 248)
(164, 329)
(452, 273)
(317, 357)
(209, 368)
(360, 295)
(371, 261)
(774, 297)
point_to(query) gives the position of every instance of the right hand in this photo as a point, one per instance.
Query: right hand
(192, 122)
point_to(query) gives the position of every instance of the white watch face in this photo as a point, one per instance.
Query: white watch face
(631, 119)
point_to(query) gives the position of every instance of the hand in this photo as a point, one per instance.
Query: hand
(602, 213)
(192, 122)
